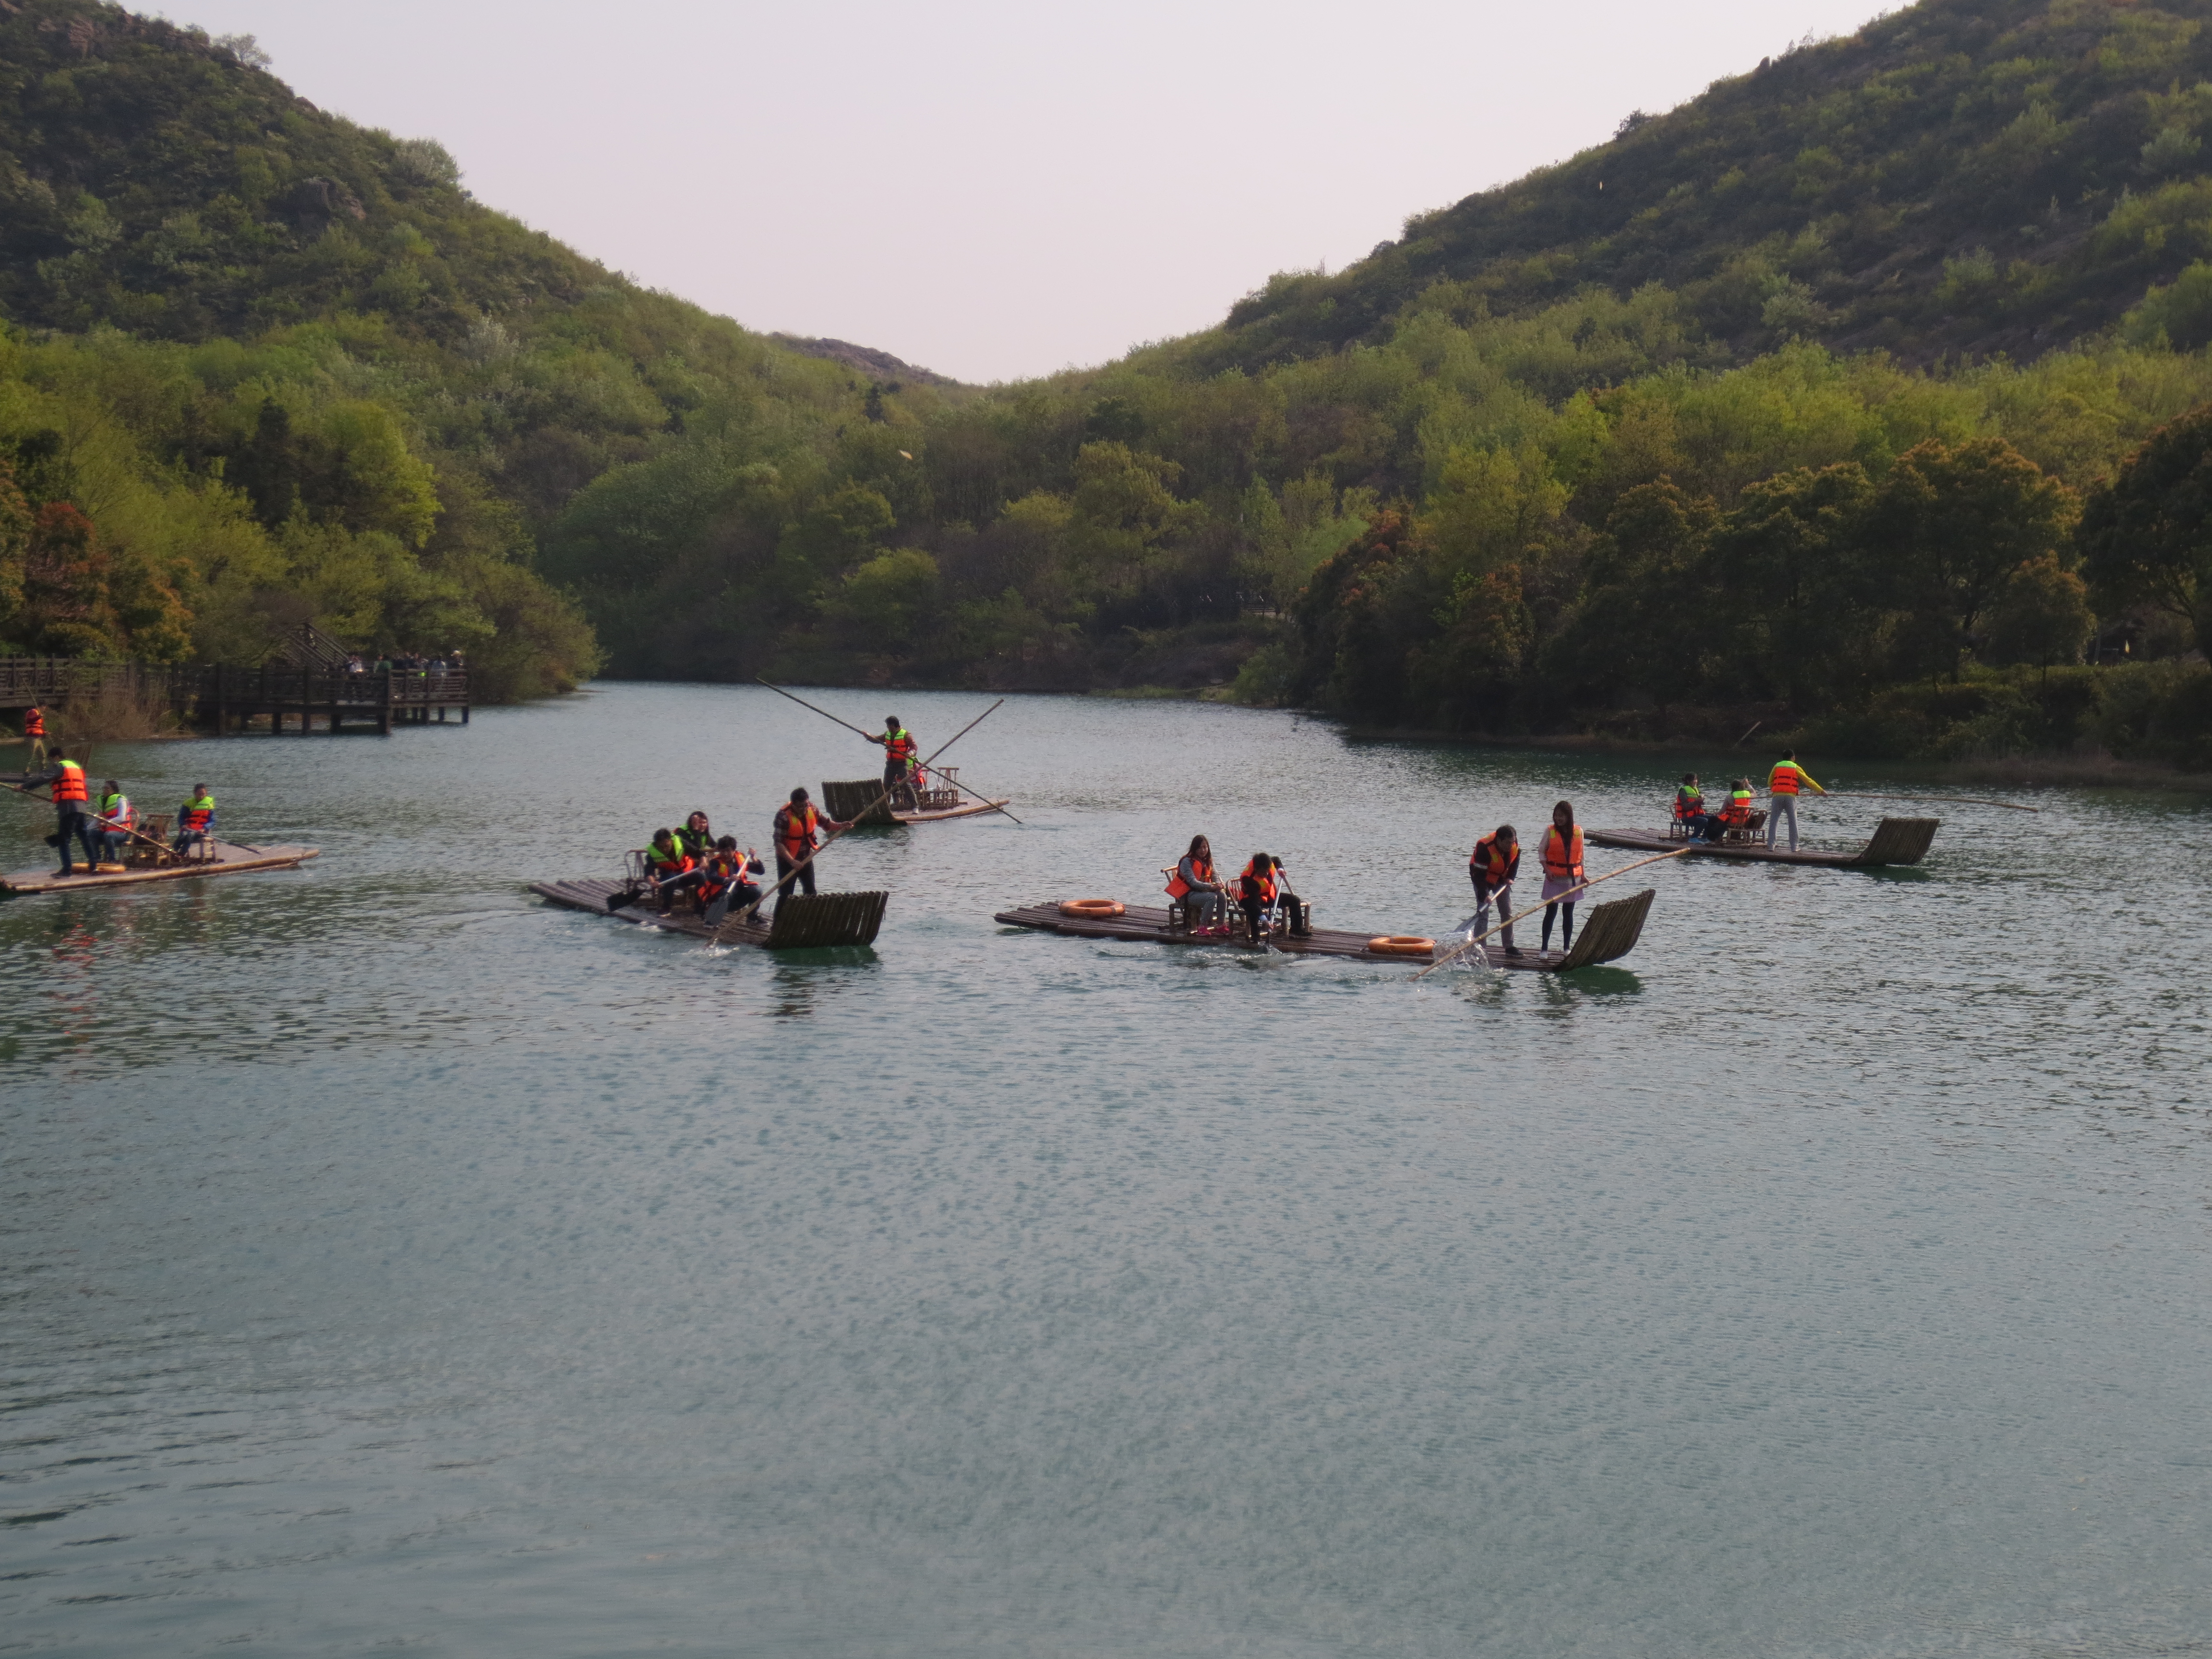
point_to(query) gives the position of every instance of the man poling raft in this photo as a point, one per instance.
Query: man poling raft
(899, 752)
(794, 827)
(1782, 784)
(1492, 867)
(34, 737)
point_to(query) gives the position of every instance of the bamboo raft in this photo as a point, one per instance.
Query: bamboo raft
(1896, 840)
(228, 860)
(1607, 933)
(858, 803)
(804, 921)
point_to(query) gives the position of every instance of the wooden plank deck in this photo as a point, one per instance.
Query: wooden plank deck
(1602, 939)
(1896, 840)
(805, 921)
(230, 861)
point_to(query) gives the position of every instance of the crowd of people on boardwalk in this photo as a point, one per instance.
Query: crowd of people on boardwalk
(1785, 783)
(406, 662)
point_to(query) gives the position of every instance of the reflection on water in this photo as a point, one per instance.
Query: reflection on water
(394, 1261)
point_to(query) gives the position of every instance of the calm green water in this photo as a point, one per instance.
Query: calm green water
(395, 1262)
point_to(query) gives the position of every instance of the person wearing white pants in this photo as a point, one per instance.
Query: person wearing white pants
(1783, 785)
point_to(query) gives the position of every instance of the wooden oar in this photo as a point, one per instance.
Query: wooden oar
(1931, 800)
(1561, 899)
(872, 738)
(753, 909)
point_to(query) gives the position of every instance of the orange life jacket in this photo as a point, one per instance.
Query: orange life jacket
(1561, 859)
(1493, 861)
(1786, 778)
(902, 747)
(34, 723)
(70, 785)
(670, 860)
(1688, 804)
(794, 830)
(1177, 887)
(1737, 812)
(1252, 885)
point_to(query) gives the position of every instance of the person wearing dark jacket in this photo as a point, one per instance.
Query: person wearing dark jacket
(1491, 866)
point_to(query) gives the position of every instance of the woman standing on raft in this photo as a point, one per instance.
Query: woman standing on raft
(1563, 873)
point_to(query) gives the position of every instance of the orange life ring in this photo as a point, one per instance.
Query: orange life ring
(1096, 910)
(1401, 945)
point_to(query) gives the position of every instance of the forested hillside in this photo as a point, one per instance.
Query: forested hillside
(1797, 418)
(262, 364)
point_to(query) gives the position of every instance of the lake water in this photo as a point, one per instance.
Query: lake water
(395, 1262)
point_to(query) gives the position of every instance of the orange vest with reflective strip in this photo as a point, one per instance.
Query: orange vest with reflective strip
(1177, 887)
(34, 723)
(1786, 778)
(1251, 886)
(70, 785)
(794, 830)
(1560, 859)
(1497, 860)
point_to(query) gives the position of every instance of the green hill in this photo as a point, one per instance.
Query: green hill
(288, 367)
(1963, 177)
(1654, 458)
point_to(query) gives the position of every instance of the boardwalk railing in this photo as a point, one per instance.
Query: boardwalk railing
(226, 698)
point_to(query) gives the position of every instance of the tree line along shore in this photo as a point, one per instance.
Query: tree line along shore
(260, 366)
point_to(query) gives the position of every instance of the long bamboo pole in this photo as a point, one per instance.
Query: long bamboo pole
(1931, 800)
(151, 841)
(753, 908)
(1656, 858)
(872, 738)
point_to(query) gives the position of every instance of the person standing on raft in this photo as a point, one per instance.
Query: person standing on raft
(1491, 866)
(899, 752)
(1563, 873)
(70, 798)
(1782, 784)
(35, 735)
(794, 827)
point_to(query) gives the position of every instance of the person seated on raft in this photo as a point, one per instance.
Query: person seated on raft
(695, 839)
(728, 870)
(1736, 815)
(1689, 807)
(1257, 889)
(1195, 885)
(668, 868)
(195, 821)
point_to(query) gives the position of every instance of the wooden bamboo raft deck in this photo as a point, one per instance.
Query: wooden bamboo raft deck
(1608, 932)
(1896, 840)
(851, 803)
(805, 921)
(230, 861)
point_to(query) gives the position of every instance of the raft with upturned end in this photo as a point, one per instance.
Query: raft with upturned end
(1607, 932)
(1896, 840)
(802, 922)
(862, 802)
(228, 860)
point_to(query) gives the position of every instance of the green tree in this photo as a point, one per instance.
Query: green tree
(1951, 525)
(2146, 537)
(2042, 616)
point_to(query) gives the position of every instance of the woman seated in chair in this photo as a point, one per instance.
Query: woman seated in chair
(1195, 885)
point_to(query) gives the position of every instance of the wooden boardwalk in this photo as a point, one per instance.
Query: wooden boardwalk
(805, 921)
(1609, 931)
(230, 861)
(1896, 840)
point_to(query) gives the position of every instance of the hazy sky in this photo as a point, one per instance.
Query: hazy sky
(989, 188)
